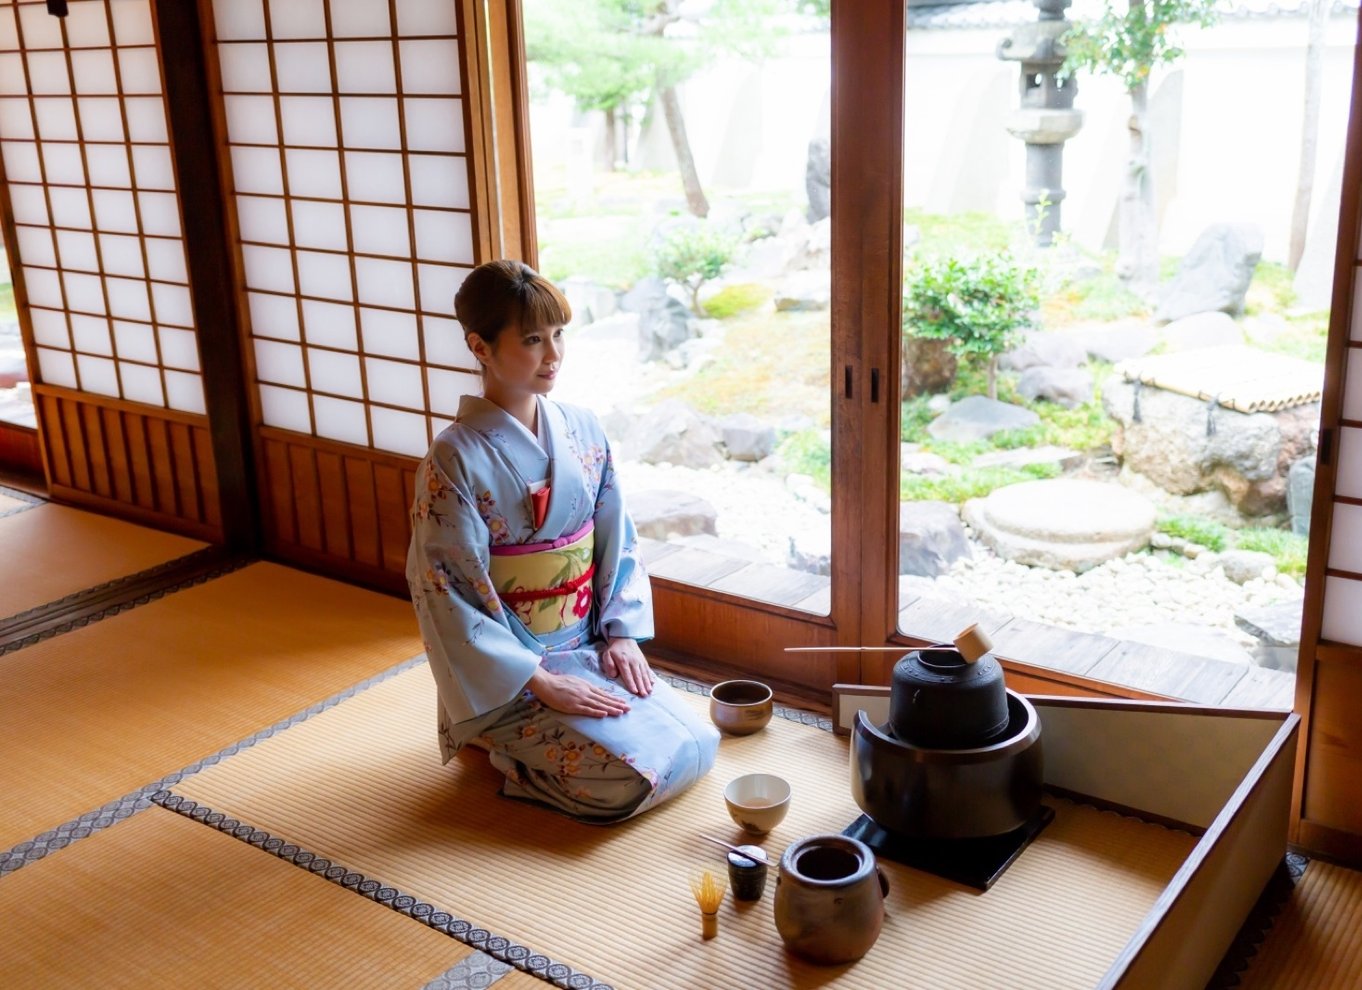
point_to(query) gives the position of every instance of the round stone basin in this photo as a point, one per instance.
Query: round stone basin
(1067, 524)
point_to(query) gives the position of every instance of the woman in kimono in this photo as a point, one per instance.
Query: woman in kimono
(525, 573)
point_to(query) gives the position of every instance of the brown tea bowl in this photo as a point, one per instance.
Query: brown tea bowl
(740, 707)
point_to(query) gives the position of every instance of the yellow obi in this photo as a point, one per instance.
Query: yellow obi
(547, 585)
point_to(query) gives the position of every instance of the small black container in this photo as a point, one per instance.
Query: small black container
(940, 700)
(746, 876)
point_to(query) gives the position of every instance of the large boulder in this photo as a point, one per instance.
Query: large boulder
(674, 433)
(978, 417)
(663, 328)
(811, 550)
(1115, 342)
(1278, 624)
(804, 291)
(1184, 445)
(1066, 524)
(928, 366)
(1045, 350)
(931, 538)
(1200, 330)
(1215, 274)
(645, 294)
(589, 301)
(1243, 566)
(747, 438)
(818, 178)
(1068, 387)
(661, 513)
(1300, 494)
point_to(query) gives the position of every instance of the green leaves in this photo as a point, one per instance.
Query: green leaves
(1128, 44)
(980, 305)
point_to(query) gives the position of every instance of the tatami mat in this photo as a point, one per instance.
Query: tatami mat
(52, 551)
(9, 503)
(362, 785)
(161, 901)
(1314, 942)
(96, 713)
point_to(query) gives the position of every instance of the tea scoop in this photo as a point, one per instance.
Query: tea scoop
(755, 853)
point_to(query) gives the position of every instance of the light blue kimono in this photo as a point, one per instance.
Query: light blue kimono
(473, 492)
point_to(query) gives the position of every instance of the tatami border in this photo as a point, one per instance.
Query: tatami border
(30, 501)
(499, 948)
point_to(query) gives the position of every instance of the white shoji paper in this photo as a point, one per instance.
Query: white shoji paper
(70, 208)
(329, 324)
(445, 344)
(84, 293)
(146, 118)
(365, 67)
(21, 161)
(141, 383)
(245, 68)
(132, 22)
(438, 285)
(375, 177)
(267, 268)
(1342, 611)
(127, 298)
(262, 218)
(56, 367)
(9, 30)
(279, 363)
(285, 409)
(16, 121)
(319, 225)
(307, 120)
(56, 118)
(1352, 386)
(77, 250)
(341, 419)
(256, 170)
(139, 71)
(90, 335)
(380, 230)
(100, 119)
(40, 29)
(433, 124)
(178, 349)
(324, 275)
(446, 387)
(389, 333)
(165, 258)
(97, 375)
(36, 247)
(399, 432)
(63, 164)
(29, 203)
(384, 283)
(44, 287)
(135, 341)
(1349, 480)
(87, 26)
(359, 19)
(297, 19)
(172, 304)
(49, 327)
(442, 236)
(313, 173)
(439, 180)
(302, 67)
(93, 72)
(238, 20)
(417, 17)
(184, 392)
(115, 210)
(160, 213)
(12, 81)
(1345, 538)
(430, 67)
(273, 316)
(250, 119)
(370, 122)
(335, 373)
(108, 165)
(122, 254)
(393, 382)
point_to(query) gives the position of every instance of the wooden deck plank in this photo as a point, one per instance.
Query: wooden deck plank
(940, 621)
(819, 603)
(1050, 646)
(769, 583)
(1164, 671)
(693, 566)
(655, 549)
(1263, 688)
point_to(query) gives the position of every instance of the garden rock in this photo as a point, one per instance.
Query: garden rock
(616, 328)
(1201, 330)
(978, 418)
(1242, 566)
(817, 252)
(590, 302)
(931, 538)
(913, 460)
(818, 178)
(804, 291)
(1278, 624)
(663, 328)
(771, 257)
(660, 513)
(1045, 350)
(1185, 446)
(1186, 637)
(1065, 524)
(674, 433)
(811, 551)
(1300, 492)
(1215, 274)
(746, 437)
(1061, 458)
(928, 366)
(645, 294)
(1105, 342)
(1068, 387)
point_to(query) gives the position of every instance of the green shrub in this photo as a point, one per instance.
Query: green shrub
(1287, 549)
(1211, 535)
(692, 255)
(970, 483)
(735, 299)
(808, 452)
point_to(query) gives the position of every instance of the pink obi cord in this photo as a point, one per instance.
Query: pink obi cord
(515, 549)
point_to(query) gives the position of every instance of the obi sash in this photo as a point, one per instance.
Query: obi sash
(547, 585)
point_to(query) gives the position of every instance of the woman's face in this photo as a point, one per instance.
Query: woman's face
(523, 362)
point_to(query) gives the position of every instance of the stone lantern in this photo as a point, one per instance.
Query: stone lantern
(1046, 117)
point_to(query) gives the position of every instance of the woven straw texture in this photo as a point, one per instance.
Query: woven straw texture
(161, 901)
(52, 551)
(99, 712)
(362, 785)
(1241, 378)
(1314, 943)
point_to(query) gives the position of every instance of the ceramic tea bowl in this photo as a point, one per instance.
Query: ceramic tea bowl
(740, 707)
(758, 801)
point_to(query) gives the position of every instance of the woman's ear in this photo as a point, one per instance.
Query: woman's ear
(480, 348)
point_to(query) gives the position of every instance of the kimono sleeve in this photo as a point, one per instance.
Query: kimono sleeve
(624, 599)
(478, 662)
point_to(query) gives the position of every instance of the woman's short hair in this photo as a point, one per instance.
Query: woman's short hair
(501, 293)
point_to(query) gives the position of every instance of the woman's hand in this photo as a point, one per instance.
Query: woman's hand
(623, 659)
(575, 695)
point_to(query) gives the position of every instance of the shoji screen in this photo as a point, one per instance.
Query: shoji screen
(344, 125)
(99, 259)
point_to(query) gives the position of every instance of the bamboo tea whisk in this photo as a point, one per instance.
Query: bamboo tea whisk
(709, 894)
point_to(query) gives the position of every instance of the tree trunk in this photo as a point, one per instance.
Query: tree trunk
(993, 377)
(1138, 261)
(611, 139)
(1305, 176)
(676, 127)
